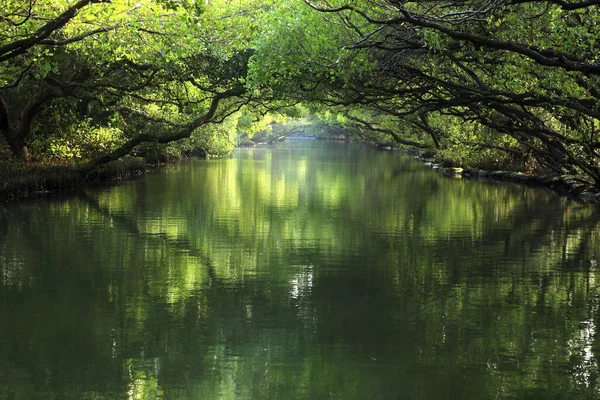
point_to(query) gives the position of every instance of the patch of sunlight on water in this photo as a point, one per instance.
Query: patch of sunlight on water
(314, 270)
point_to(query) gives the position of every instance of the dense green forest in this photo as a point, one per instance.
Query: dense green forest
(497, 84)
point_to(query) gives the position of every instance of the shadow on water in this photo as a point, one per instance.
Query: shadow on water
(310, 271)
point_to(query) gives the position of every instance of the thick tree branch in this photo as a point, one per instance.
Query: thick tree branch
(546, 57)
(19, 47)
(565, 5)
(389, 132)
(73, 39)
(178, 134)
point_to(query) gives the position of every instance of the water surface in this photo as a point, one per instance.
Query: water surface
(310, 271)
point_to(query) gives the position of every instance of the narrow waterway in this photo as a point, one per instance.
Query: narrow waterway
(310, 271)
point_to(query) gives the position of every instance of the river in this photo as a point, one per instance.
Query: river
(311, 271)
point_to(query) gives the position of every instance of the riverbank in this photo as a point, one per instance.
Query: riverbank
(20, 181)
(573, 186)
(55, 177)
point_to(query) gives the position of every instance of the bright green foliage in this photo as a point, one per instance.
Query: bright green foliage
(506, 84)
(301, 56)
(501, 81)
(152, 71)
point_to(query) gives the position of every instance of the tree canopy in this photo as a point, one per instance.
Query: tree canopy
(116, 74)
(505, 83)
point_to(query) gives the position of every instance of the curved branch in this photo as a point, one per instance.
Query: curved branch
(546, 57)
(54, 42)
(182, 133)
(19, 47)
(390, 132)
(565, 5)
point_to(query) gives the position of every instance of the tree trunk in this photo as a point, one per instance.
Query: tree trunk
(430, 130)
(17, 147)
(20, 153)
(15, 138)
(16, 128)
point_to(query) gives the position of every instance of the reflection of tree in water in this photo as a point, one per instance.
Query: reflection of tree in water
(531, 299)
(446, 286)
(520, 232)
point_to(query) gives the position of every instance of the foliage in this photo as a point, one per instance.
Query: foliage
(500, 78)
(474, 80)
(155, 72)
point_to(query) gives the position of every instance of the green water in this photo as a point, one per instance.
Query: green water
(311, 271)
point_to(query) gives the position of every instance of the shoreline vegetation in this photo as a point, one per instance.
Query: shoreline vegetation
(19, 181)
(89, 86)
(23, 181)
(572, 186)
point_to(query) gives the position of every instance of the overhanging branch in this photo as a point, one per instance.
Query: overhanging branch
(182, 132)
(19, 47)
